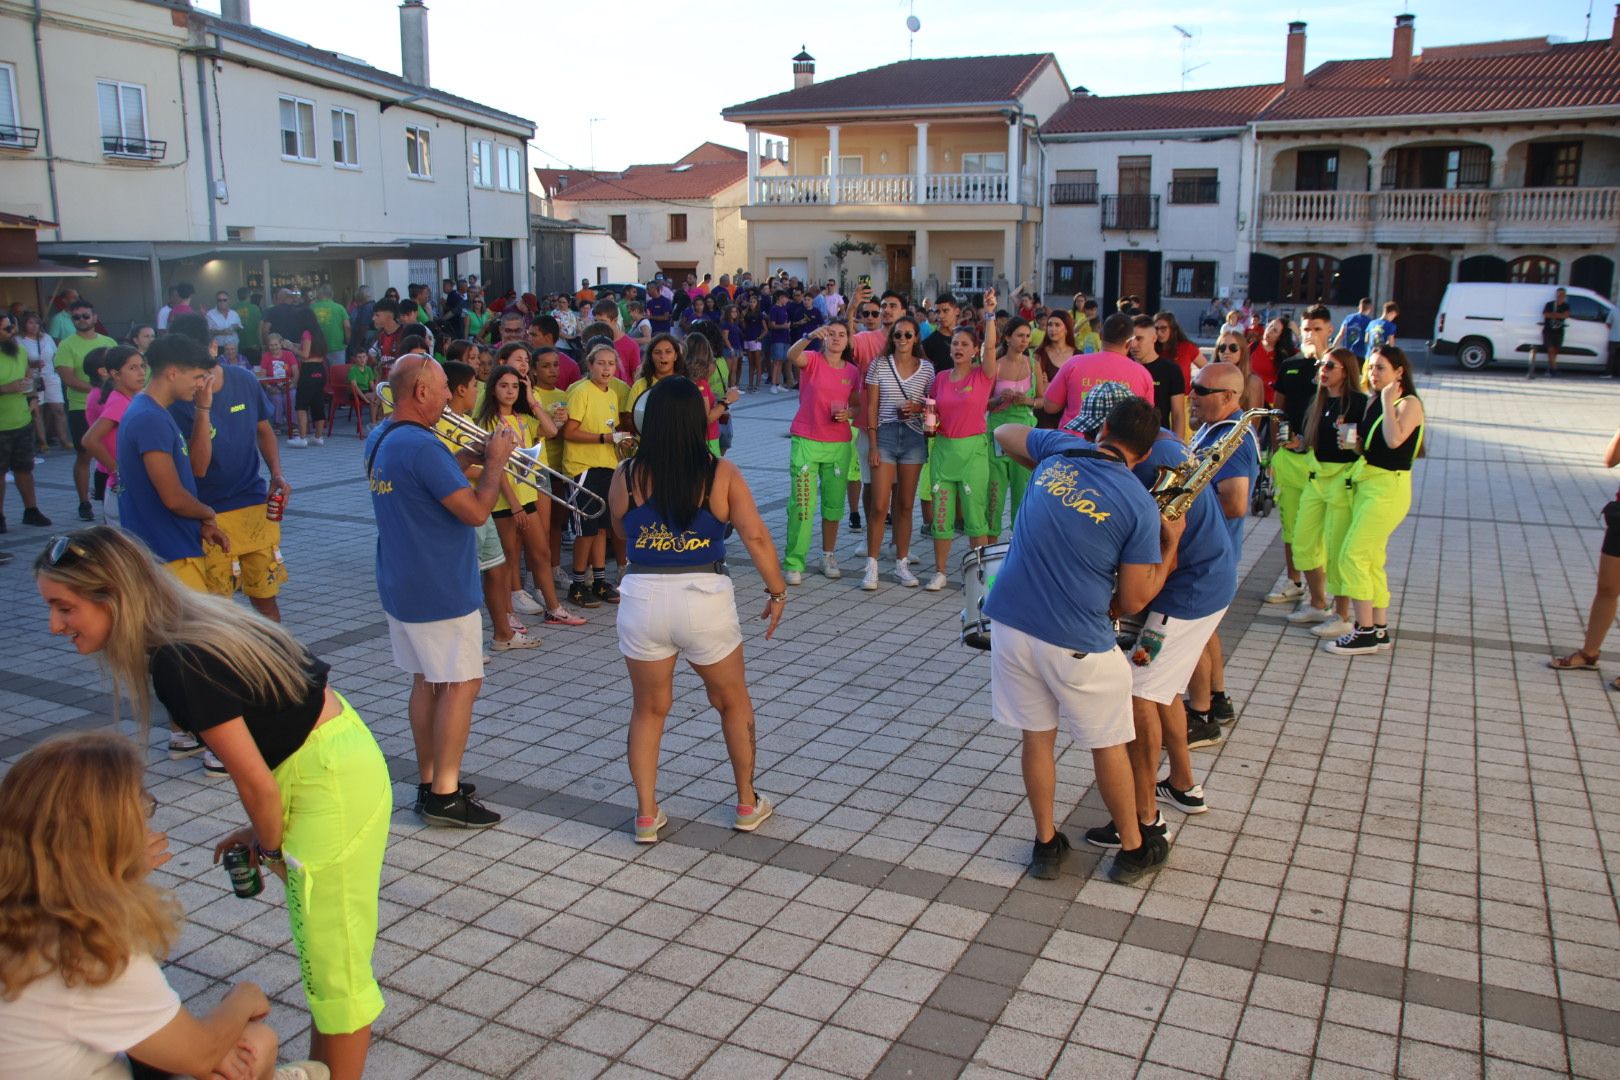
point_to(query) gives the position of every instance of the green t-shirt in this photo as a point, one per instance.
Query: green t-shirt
(330, 316)
(362, 377)
(251, 317)
(14, 412)
(61, 327)
(70, 354)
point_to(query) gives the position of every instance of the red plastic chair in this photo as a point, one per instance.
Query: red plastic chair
(339, 393)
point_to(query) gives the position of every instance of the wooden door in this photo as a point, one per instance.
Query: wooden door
(900, 267)
(1420, 281)
(1133, 274)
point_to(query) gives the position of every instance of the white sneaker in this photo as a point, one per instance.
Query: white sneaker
(524, 604)
(1335, 627)
(869, 581)
(937, 582)
(903, 574)
(183, 744)
(829, 566)
(1285, 591)
(213, 768)
(794, 577)
(318, 441)
(298, 441)
(1305, 614)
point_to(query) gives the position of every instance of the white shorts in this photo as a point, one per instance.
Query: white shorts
(1159, 676)
(445, 651)
(693, 615)
(1033, 683)
(863, 454)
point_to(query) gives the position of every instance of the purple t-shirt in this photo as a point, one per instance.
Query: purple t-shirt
(779, 314)
(659, 308)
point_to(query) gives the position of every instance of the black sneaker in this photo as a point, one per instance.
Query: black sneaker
(1190, 801)
(1220, 707)
(855, 519)
(1047, 859)
(605, 591)
(1106, 836)
(1362, 641)
(2, 523)
(1202, 730)
(1385, 642)
(458, 811)
(32, 516)
(580, 595)
(1129, 866)
(423, 789)
(85, 513)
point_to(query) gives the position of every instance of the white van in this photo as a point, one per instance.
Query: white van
(1482, 322)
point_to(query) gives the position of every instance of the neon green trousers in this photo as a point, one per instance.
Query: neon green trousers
(812, 463)
(1379, 501)
(1291, 472)
(1322, 520)
(960, 473)
(1008, 479)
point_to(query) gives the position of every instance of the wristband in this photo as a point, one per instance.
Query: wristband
(777, 598)
(272, 855)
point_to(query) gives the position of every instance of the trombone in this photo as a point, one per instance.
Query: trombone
(526, 465)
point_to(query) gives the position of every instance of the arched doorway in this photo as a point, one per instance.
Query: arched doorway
(1483, 268)
(1595, 272)
(1420, 281)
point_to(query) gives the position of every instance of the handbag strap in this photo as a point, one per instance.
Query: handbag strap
(392, 427)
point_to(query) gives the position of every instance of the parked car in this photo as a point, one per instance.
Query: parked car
(1485, 322)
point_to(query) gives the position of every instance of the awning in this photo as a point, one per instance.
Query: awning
(172, 251)
(400, 249)
(44, 269)
(130, 250)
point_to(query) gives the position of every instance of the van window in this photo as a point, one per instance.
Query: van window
(1587, 310)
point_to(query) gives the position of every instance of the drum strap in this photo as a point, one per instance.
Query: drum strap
(392, 427)
(1105, 453)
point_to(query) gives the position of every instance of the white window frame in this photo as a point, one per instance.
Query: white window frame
(302, 109)
(972, 275)
(345, 138)
(123, 132)
(510, 172)
(421, 139)
(848, 165)
(13, 120)
(979, 158)
(483, 163)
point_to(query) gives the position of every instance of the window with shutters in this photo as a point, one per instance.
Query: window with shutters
(297, 129)
(1309, 279)
(1437, 168)
(1194, 187)
(511, 168)
(1075, 187)
(418, 152)
(677, 226)
(483, 163)
(618, 227)
(345, 139)
(1533, 270)
(1553, 164)
(11, 134)
(122, 108)
(1192, 280)
(1316, 170)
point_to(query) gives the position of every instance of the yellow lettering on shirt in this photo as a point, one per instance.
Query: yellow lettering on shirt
(379, 486)
(1062, 481)
(659, 538)
(239, 408)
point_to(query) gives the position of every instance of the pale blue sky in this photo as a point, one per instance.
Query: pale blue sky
(658, 73)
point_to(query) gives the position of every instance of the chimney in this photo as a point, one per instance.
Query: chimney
(413, 42)
(1294, 66)
(804, 69)
(1614, 35)
(1400, 59)
(236, 11)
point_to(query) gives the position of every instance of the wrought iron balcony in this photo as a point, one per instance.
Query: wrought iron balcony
(1130, 212)
(124, 147)
(18, 138)
(1074, 194)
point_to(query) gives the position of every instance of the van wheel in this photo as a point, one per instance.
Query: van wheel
(1474, 353)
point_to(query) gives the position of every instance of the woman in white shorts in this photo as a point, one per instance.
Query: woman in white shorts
(673, 504)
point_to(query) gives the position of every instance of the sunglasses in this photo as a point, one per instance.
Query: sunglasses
(1229, 348)
(1161, 326)
(83, 318)
(1206, 391)
(63, 546)
(904, 335)
(870, 313)
(1328, 365)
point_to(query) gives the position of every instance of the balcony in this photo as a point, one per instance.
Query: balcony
(18, 138)
(1195, 191)
(1081, 194)
(1130, 212)
(962, 189)
(140, 149)
(1505, 216)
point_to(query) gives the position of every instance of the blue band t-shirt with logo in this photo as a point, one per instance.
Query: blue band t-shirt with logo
(234, 478)
(148, 427)
(427, 558)
(1205, 578)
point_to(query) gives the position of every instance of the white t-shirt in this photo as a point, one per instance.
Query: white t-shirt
(56, 1032)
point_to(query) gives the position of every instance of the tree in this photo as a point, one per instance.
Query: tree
(842, 249)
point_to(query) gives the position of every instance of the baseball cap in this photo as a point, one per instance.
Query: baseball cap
(1099, 402)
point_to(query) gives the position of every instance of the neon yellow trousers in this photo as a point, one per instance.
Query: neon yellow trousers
(1322, 520)
(1379, 501)
(813, 464)
(1291, 472)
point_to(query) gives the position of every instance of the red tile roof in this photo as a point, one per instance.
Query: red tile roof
(1541, 76)
(677, 180)
(713, 151)
(962, 80)
(555, 181)
(1227, 107)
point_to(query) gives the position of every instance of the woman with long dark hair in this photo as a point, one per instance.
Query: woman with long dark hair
(673, 504)
(1174, 344)
(312, 780)
(959, 456)
(1323, 516)
(818, 455)
(899, 381)
(1020, 382)
(663, 359)
(1391, 435)
(124, 376)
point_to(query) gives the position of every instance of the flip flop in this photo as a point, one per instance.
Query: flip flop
(1575, 661)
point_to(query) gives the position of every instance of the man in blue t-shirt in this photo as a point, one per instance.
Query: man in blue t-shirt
(427, 577)
(157, 499)
(659, 310)
(1382, 331)
(779, 334)
(1352, 333)
(1085, 523)
(231, 439)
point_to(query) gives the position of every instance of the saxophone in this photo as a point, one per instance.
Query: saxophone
(1175, 487)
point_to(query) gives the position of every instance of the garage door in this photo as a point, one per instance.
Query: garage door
(797, 268)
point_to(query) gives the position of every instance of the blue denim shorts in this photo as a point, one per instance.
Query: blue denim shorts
(901, 444)
(779, 351)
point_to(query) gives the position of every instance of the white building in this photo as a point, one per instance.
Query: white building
(202, 148)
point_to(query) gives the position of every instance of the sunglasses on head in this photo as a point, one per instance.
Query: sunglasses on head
(1205, 391)
(63, 546)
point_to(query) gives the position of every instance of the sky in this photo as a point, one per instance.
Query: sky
(616, 90)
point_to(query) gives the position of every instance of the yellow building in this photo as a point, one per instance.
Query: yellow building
(933, 162)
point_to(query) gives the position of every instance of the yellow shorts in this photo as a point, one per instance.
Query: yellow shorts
(191, 572)
(254, 562)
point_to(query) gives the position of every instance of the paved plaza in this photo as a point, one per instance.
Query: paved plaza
(1409, 868)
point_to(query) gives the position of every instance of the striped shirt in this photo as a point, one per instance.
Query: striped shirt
(885, 375)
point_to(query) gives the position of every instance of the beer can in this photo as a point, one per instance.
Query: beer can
(275, 506)
(245, 878)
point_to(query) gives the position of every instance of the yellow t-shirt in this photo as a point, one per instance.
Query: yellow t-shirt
(527, 430)
(597, 412)
(554, 447)
(621, 388)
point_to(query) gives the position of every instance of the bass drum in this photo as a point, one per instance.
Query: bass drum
(979, 569)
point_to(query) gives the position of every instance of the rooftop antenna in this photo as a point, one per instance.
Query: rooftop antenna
(590, 126)
(913, 24)
(1186, 42)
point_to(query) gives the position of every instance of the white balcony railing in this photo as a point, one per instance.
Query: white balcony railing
(1507, 214)
(896, 190)
(1558, 205)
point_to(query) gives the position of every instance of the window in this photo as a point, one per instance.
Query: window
(1071, 276)
(617, 227)
(511, 169)
(1550, 164)
(1533, 270)
(297, 129)
(985, 163)
(1309, 279)
(345, 139)
(123, 119)
(972, 276)
(483, 163)
(10, 120)
(1194, 187)
(1192, 280)
(1075, 187)
(848, 165)
(1316, 170)
(418, 152)
(1586, 309)
(1437, 167)
(677, 226)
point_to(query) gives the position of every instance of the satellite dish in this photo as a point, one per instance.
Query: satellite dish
(913, 23)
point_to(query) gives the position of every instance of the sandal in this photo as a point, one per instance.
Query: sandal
(1614, 684)
(1575, 661)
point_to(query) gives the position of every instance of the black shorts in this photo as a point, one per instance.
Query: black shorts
(98, 485)
(528, 508)
(1552, 339)
(1611, 532)
(311, 398)
(598, 481)
(77, 426)
(17, 450)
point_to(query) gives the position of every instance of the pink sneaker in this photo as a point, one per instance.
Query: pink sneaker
(750, 818)
(647, 827)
